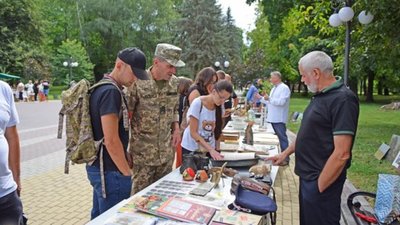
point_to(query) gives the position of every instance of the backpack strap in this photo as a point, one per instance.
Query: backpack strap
(60, 122)
(124, 106)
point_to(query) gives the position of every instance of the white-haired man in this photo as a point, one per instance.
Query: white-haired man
(324, 141)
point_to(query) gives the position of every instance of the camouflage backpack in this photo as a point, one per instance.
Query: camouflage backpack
(80, 144)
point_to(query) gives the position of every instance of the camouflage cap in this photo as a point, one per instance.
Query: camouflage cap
(170, 53)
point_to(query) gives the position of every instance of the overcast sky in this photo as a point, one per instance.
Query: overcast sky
(243, 14)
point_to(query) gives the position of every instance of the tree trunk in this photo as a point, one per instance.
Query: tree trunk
(380, 87)
(370, 88)
(353, 85)
(386, 91)
(299, 87)
(365, 86)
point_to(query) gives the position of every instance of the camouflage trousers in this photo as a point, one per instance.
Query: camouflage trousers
(144, 175)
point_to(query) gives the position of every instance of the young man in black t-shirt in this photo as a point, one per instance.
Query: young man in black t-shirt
(106, 103)
(324, 141)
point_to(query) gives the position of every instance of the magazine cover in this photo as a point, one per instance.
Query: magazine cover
(149, 204)
(236, 217)
(187, 211)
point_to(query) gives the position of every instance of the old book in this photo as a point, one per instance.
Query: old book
(227, 216)
(229, 147)
(186, 211)
(233, 156)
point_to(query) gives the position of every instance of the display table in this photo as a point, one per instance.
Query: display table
(219, 197)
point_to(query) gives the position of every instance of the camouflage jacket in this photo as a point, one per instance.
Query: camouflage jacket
(154, 109)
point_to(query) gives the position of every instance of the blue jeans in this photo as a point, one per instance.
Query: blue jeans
(280, 131)
(11, 209)
(118, 188)
(320, 208)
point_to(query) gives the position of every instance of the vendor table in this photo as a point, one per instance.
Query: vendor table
(219, 197)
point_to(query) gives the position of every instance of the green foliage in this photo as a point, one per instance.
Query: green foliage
(298, 27)
(266, 87)
(198, 32)
(375, 127)
(71, 51)
(19, 35)
(206, 36)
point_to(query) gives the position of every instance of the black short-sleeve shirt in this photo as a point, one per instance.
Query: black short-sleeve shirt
(228, 103)
(334, 111)
(106, 99)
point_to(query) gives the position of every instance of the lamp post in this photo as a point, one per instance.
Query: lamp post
(225, 64)
(70, 63)
(345, 15)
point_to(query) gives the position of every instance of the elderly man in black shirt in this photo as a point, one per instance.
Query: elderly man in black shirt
(324, 141)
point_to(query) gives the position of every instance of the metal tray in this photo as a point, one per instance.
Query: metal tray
(235, 163)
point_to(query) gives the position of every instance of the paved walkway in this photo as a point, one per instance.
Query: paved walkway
(52, 197)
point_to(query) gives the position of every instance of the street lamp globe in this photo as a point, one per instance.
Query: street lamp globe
(226, 64)
(74, 64)
(365, 17)
(217, 64)
(346, 14)
(65, 64)
(334, 20)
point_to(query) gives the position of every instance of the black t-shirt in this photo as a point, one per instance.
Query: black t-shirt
(333, 111)
(228, 103)
(106, 99)
(180, 109)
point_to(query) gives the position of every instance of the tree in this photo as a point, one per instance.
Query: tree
(199, 34)
(19, 34)
(71, 51)
(233, 46)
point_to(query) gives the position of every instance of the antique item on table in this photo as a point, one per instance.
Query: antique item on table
(187, 161)
(231, 147)
(201, 161)
(254, 202)
(201, 176)
(230, 135)
(229, 172)
(216, 174)
(170, 188)
(186, 211)
(233, 217)
(202, 189)
(260, 170)
(250, 184)
(188, 174)
(266, 139)
(175, 208)
(248, 136)
(236, 159)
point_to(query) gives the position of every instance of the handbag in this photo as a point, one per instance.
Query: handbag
(254, 202)
(387, 203)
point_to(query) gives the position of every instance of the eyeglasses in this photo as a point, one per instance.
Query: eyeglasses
(219, 95)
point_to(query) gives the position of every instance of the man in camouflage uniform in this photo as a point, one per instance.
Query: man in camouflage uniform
(155, 128)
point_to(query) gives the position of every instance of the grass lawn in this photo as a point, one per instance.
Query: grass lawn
(375, 126)
(55, 92)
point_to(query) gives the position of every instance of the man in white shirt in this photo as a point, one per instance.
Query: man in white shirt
(278, 108)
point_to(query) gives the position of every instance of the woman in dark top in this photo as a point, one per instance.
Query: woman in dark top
(183, 87)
